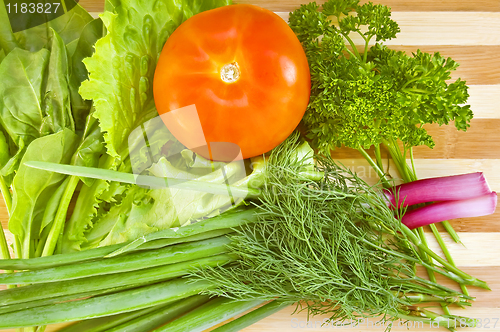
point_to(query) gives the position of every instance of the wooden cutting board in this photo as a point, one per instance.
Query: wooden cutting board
(469, 32)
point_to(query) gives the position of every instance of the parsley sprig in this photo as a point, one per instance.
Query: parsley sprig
(372, 96)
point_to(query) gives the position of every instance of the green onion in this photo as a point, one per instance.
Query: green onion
(208, 315)
(161, 316)
(134, 261)
(252, 317)
(110, 281)
(102, 324)
(106, 305)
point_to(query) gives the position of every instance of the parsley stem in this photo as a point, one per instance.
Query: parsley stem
(380, 173)
(354, 48)
(378, 157)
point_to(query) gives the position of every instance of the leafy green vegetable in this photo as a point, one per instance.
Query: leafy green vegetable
(120, 86)
(122, 68)
(21, 94)
(57, 96)
(33, 188)
(84, 47)
(35, 97)
(68, 26)
(333, 244)
(375, 96)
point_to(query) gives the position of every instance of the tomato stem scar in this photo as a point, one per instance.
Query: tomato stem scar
(230, 72)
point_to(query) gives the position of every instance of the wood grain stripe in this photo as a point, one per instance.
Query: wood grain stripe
(442, 28)
(478, 65)
(451, 143)
(396, 5)
(427, 168)
(485, 100)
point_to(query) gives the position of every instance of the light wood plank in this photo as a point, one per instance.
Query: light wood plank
(282, 321)
(485, 101)
(427, 168)
(478, 249)
(442, 28)
(396, 5)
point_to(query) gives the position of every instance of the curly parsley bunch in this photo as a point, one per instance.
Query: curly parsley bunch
(367, 96)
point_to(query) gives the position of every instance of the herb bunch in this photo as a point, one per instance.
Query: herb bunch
(331, 245)
(362, 96)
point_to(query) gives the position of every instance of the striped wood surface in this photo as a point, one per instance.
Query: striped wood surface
(469, 32)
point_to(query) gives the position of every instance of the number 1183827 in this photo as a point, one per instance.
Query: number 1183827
(32, 8)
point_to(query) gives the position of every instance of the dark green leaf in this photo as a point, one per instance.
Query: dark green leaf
(33, 188)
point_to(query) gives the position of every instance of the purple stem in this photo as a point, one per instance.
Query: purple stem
(437, 212)
(449, 188)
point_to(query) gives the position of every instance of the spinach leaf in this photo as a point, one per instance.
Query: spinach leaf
(34, 96)
(33, 188)
(69, 26)
(83, 48)
(21, 106)
(57, 96)
(7, 39)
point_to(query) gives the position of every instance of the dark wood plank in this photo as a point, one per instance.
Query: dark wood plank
(451, 143)
(478, 65)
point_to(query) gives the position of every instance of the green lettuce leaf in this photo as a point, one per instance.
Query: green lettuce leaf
(144, 211)
(120, 81)
(122, 68)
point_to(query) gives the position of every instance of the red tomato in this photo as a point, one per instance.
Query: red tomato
(244, 70)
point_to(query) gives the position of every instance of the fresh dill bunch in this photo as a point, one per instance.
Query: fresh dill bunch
(328, 243)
